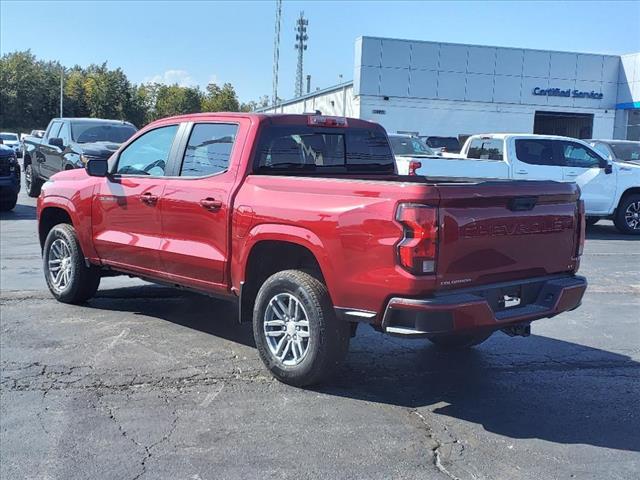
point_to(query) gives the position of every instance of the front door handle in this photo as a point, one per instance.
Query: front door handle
(149, 198)
(572, 174)
(211, 204)
(522, 172)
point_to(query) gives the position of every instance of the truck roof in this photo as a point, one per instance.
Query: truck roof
(504, 136)
(274, 118)
(90, 120)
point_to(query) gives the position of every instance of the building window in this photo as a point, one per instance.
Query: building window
(633, 124)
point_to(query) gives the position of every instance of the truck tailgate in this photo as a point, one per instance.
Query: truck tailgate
(506, 230)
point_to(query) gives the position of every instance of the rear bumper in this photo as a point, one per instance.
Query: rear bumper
(482, 308)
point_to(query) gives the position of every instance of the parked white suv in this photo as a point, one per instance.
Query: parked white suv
(609, 189)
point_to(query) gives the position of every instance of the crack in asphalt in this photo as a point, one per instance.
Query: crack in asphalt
(436, 449)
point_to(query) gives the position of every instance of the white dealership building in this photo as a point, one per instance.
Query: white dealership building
(446, 89)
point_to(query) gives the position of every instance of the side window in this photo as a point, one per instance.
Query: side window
(576, 155)
(209, 149)
(54, 130)
(485, 149)
(537, 152)
(148, 154)
(603, 150)
(64, 134)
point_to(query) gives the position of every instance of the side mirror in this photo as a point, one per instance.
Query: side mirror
(97, 167)
(56, 142)
(608, 169)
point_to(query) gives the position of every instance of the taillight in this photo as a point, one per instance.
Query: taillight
(582, 227)
(325, 121)
(417, 249)
(413, 166)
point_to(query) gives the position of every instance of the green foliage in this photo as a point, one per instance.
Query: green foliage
(30, 94)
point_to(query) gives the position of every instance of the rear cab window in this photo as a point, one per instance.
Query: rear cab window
(309, 150)
(209, 149)
(486, 149)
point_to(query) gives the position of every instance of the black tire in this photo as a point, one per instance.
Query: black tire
(32, 182)
(7, 204)
(624, 220)
(83, 281)
(328, 337)
(458, 342)
(591, 221)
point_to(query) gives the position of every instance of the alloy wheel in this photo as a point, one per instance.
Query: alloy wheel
(632, 215)
(27, 176)
(286, 329)
(60, 264)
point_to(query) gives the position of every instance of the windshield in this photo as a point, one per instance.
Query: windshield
(409, 146)
(10, 137)
(626, 151)
(96, 132)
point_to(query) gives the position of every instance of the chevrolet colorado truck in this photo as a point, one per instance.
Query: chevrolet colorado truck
(69, 143)
(303, 221)
(609, 189)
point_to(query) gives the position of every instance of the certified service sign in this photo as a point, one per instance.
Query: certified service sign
(559, 92)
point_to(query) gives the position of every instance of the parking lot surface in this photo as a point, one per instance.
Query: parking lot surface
(149, 382)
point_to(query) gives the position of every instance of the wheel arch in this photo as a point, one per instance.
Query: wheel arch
(50, 216)
(268, 254)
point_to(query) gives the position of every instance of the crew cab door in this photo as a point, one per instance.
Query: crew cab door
(46, 153)
(126, 217)
(588, 170)
(196, 205)
(536, 159)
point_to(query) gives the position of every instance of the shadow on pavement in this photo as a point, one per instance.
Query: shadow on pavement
(608, 232)
(191, 310)
(537, 387)
(20, 212)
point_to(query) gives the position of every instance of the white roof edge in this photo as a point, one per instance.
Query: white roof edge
(495, 46)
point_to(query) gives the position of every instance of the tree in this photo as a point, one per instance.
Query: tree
(219, 99)
(175, 100)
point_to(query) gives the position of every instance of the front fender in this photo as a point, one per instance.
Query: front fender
(80, 220)
(282, 233)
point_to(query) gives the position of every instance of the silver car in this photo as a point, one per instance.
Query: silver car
(617, 150)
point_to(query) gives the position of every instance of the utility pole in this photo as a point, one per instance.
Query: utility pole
(276, 52)
(61, 89)
(301, 46)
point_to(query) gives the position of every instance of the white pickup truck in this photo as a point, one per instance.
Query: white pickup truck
(609, 189)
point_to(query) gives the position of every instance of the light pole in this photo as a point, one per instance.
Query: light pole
(61, 89)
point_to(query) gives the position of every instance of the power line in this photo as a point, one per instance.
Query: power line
(301, 46)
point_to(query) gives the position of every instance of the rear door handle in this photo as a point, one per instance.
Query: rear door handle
(211, 203)
(572, 174)
(149, 198)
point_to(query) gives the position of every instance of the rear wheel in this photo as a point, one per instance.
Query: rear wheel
(298, 336)
(31, 181)
(627, 218)
(455, 342)
(69, 279)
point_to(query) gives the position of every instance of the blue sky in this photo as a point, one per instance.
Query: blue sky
(196, 42)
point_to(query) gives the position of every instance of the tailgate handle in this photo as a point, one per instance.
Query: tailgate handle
(522, 204)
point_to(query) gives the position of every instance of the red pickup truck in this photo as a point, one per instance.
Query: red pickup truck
(302, 220)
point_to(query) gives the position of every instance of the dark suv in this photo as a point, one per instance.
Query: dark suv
(9, 178)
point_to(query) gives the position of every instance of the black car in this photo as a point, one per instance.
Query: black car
(9, 178)
(69, 143)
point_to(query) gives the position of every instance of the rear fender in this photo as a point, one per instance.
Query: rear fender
(283, 233)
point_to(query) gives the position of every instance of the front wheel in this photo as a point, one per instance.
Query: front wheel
(298, 336)
(69, 279)
(31, 181)
(456, 342)
(627, 219)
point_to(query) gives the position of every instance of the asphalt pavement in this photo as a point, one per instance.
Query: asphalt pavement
(150, 382)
